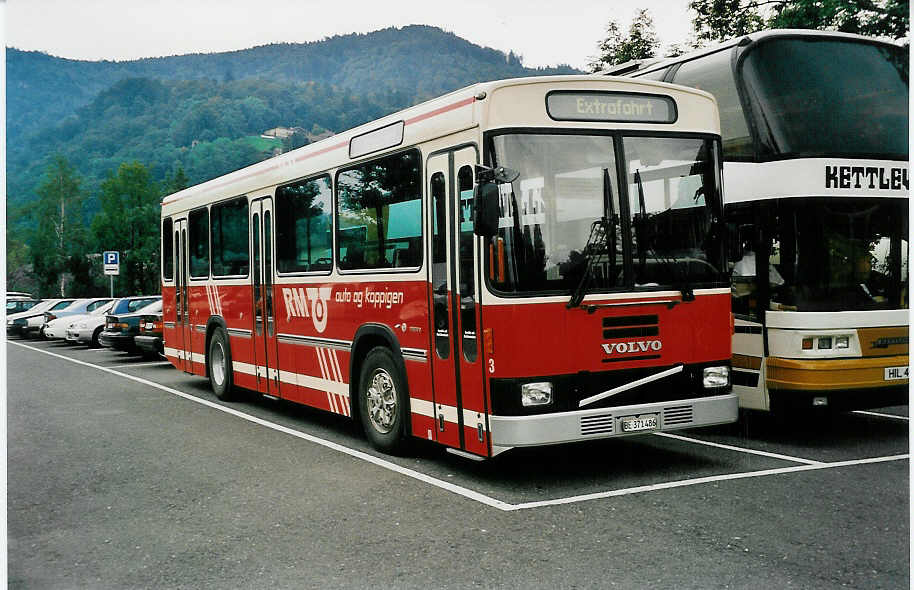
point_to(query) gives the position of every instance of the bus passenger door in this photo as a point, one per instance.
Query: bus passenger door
(183, 327)
(459, 405)
(264, 330)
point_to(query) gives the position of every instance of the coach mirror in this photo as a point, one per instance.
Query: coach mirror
(486, 197)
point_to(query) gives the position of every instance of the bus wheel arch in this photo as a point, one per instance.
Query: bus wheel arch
(368, 338)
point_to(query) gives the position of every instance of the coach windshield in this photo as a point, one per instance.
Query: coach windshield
(825, 96)
(660, 224)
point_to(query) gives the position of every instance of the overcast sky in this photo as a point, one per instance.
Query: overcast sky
(543, 32)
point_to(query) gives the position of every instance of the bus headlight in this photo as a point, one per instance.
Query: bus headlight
(715, 377)
(536, 394)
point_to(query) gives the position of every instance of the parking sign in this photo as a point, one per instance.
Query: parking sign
(112, 262)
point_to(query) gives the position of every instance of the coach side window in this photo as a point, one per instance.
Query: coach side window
(379, 214)
(304, 222)
(713, 74)
(198, 230)
(229, 237)
(168, 256)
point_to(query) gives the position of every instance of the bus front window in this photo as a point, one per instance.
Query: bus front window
(568, 182)
(840, 255)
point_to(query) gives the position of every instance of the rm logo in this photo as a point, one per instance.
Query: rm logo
(298, 303)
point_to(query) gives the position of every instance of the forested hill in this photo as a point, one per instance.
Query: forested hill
(205, 112)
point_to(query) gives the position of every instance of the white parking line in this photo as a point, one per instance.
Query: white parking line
(459, 490)
(738, 449)
(135, 365)
(472, 494)
(703, 480)
(881, 415)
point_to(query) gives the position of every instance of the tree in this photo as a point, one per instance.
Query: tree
(129, 223)
(877, 18)
(640, 43)
(719, 20)
(59, 232)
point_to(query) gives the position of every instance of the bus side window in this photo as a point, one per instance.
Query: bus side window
(379, 213)
(304, 222)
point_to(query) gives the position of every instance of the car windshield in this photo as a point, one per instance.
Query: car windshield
(822, 96)
(568, 182)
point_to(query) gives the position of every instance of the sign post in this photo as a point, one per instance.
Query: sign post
(112, 265)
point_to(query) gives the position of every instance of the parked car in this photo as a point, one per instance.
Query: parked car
(88, 329)
(96, 318)
(14, 306)
(120, 330)
(149, 340)
(80, 307)
(10, 295)
(17, 323)
(36, 325)
(59, 327)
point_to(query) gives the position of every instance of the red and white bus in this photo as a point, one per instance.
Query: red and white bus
(521, 262)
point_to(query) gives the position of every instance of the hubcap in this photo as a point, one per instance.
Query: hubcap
(381, 399)
(217, 363)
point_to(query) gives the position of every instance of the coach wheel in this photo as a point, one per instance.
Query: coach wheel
(219, 360)
(381, 401)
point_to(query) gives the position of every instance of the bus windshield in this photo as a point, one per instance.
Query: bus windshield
(834, 254)
(567, 182)
(820, 96)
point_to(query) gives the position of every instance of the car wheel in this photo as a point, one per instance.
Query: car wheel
(382, 401)
(94, 342)
(219, 362)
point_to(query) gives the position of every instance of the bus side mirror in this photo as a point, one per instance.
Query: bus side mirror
(487, 212)
(738, 235)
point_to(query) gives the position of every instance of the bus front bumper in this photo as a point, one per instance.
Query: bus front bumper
(563, 427)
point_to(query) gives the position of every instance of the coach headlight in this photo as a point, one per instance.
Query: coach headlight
(713, 377)
(536, 394)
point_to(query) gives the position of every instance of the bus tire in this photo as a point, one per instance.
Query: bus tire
(219, 363)
(382, 401)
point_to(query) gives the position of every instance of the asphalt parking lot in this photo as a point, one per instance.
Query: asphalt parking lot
(128, 473)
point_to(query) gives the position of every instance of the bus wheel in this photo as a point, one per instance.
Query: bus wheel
(219, 360)
(381, 401)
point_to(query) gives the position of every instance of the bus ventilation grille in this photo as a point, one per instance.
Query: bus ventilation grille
(677, 415)
(599, 424)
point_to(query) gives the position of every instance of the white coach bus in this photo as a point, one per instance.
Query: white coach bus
(815, 140)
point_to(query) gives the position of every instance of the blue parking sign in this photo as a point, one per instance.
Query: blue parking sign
(111, 262)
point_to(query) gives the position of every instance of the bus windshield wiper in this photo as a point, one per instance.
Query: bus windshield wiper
(646, 243)
(602, 238)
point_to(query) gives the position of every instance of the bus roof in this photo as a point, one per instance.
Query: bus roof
(652, 63)
(438, 117)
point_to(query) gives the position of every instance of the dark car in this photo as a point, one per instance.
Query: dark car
(20, 323)
(149, 340)
(20, 305)
(120, 330)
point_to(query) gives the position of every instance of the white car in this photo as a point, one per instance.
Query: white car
(59, 327)
(85, 329)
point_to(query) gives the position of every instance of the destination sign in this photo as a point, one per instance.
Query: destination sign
(610, 106)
